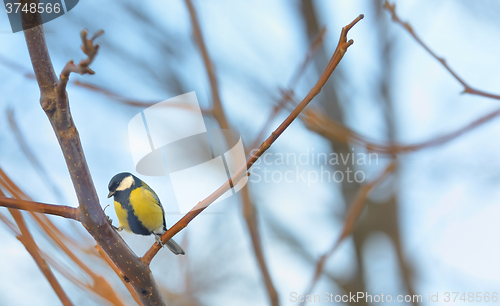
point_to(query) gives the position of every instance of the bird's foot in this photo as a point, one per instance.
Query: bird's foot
(110, 221)
(158, 240)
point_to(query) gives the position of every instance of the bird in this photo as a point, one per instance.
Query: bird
(139, 209)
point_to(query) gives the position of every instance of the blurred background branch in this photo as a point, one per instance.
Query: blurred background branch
(467, 88)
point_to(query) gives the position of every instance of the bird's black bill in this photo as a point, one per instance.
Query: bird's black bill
(110, 194)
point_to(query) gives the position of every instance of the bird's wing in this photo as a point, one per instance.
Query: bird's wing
(155, 196)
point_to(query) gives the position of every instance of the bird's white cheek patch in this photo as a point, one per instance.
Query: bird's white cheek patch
(125, 183)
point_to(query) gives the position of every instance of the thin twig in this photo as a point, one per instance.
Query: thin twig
(249, 209)
(99, 285)
(217, 110)
(467, 89)
(101, 90)
(113, 95)
(313, 48)
(35, 162)
(184, 221)
(13, 228)
(62, 102)
(22, 201)
(71, 241)
(24, 236)
(122, 277)
(90, 50)
(51, 209)
(352, 215)
(17, 68)
(287, 94)
(250, 214)
(29, 243)
(319, 123)
(11, 187)
(133, 102)
(64, 247)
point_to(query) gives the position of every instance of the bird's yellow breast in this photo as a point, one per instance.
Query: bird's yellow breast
(145, 207)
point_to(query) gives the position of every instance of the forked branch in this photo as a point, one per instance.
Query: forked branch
(467, 88)
(55, 103)
(90, 50)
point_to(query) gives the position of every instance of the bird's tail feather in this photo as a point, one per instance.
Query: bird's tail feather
(174, 247)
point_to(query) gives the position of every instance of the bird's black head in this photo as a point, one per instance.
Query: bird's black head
(121, 181)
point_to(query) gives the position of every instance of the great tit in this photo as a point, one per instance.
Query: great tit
(138, 208)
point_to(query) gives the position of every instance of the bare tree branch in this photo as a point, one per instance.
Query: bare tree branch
(51, 209)
(288, 93)
(250, 215)
(55, 104)
(319, 123)
(35, 162)
(467, 89)
(101, 90)
(129, 101)
(32, 248)
(98, 284)
(217, 110)
(10, 224)
(24, 236)
(90, 50)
